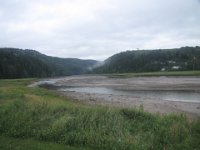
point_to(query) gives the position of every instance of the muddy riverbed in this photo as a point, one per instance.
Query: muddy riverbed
(156, 94)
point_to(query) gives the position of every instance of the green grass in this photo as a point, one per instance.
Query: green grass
(36, 118)
(7, 143)
(163, 73)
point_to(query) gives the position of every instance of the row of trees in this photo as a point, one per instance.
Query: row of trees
(185, 58)
(18, 63)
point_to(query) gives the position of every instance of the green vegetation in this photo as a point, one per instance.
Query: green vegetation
(149, 74)
(179, 59)
(18, 63)
(7, 143)
(36, 118)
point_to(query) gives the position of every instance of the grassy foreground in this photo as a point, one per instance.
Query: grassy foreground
(8, 143)
(38, 119)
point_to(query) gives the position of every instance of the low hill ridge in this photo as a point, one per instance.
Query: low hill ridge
(185, 58)
(19, 63)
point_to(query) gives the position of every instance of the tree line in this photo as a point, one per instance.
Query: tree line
(19, 63)
(185, 58)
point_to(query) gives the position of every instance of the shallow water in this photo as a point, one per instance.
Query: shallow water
(186, 96)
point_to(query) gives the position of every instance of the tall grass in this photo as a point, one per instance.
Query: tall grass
(42, 115)
(8, 143)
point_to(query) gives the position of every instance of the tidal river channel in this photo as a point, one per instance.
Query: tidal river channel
(155, 93)
(185, 96)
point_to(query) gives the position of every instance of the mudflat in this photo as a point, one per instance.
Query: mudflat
(134, 85)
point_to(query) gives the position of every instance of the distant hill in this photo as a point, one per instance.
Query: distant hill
(185, 58)
(18, 63)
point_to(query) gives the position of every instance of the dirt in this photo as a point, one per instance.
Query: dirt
(191, 109)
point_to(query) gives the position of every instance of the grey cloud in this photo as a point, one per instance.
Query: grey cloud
(115, 26)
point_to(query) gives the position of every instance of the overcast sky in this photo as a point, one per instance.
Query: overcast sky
(97, 29)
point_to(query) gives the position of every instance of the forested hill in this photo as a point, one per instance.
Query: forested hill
(18, 63)
(185, 58)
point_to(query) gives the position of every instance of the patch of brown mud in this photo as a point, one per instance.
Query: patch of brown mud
(191, 109)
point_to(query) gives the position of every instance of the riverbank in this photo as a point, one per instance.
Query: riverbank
(39, 115)
(144, 85)
(191, 109)
(195, 73)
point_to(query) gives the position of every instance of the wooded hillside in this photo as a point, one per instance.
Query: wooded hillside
(18, 63)
(185, 58)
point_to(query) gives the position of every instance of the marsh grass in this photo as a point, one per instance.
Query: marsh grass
(42, 115)
(8, 143)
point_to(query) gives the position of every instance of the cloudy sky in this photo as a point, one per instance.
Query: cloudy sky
(97, 29)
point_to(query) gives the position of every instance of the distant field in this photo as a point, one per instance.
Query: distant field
(163, 73)
(39, 119)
